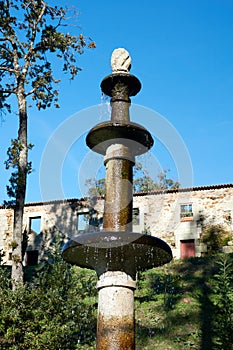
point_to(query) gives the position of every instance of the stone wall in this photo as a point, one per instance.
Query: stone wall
(161, 214)
(55, 219)
(178, 217)
(6, 227)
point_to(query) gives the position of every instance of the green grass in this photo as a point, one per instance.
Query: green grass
(173, 309)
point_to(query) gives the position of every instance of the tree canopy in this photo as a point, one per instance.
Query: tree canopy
(34, 42)
(142, 182)
(30, 32)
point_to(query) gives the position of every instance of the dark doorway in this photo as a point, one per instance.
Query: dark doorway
(32, 257)
(187, 248)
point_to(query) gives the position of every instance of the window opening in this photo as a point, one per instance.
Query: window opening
(136, 218)
(83, 222)
(35, 224)
(186, 211)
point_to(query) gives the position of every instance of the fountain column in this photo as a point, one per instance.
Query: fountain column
(115, 325)
(117, 253)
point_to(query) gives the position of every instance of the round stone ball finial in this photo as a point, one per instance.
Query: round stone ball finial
(120, 61)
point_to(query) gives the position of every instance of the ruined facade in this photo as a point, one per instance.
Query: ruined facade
(177, 216)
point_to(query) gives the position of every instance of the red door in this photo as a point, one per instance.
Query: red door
(187, 248)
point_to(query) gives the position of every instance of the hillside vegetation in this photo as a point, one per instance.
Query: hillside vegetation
(186, 304)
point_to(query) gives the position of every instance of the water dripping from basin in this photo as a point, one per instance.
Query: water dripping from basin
(117, 253)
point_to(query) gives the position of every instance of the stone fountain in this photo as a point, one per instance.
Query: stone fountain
(117, 253)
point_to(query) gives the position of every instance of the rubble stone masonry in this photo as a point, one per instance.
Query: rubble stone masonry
(176, 216)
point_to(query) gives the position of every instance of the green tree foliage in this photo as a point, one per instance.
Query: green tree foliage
(13, 154)
(95, 187)
(215, 236)
(55, 310)
(32, 41)
(142, 182)
(222, 299)
(31, 31)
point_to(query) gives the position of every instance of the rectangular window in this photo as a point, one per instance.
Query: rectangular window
(83, 222)
(136, 218)
(35, 224)
(186, 211)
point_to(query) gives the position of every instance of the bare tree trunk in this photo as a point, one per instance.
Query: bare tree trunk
(17, 275)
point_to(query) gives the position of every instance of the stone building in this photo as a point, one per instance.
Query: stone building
(177, 216)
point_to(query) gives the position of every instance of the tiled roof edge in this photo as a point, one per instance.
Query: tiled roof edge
(177, 190)
(57, 201)
(185, 189)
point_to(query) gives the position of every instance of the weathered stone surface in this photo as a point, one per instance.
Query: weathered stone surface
(214, 204)
(115, 326)
(159, 215)
(120, 61)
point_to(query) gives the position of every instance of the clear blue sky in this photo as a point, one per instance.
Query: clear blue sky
(182, 52)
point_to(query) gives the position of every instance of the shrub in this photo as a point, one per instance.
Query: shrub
(55, 310)
(215, 236)
(222, 299)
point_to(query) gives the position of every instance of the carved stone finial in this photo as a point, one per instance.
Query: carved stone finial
(120, 61)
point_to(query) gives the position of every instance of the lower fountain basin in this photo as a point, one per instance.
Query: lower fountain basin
(116, 251)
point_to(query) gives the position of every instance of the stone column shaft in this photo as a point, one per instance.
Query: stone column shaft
(120, 103)
(115, 327)
(118, 183)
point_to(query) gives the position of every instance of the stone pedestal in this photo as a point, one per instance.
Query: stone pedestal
(115, 325)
